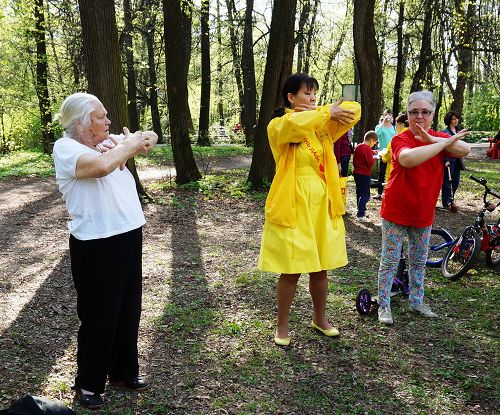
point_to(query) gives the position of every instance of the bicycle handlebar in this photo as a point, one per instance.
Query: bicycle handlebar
(483, 182)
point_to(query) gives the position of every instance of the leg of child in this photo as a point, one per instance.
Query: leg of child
(358, 190)
(287, 285)
(392, 242)
(418, 245)
(364, 194)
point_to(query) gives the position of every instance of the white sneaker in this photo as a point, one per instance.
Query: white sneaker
(362, 219)
(385, 316)
(423, 309)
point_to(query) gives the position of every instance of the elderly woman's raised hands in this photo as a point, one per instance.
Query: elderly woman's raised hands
(339, 114)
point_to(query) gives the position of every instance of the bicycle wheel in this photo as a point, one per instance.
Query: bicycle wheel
(462, 255)
(439, 244)
(363, 302)
(493, 255)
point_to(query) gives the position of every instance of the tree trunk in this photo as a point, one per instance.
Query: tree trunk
(368, 63)
(177, 27)
(153, 80)
(41, 86)
(464, 58)
(323, 98)
(249, 110)
(310, 34)
(103, 65)
(220, 83)
(400, 66)
(133, 115)
(204, 120)
(425, 57)
(231, 9)
(278, 68)
(305, 6)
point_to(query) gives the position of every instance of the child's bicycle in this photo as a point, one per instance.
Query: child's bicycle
(440, 239)
(481, 236)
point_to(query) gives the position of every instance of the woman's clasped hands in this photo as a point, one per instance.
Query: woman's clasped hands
(140, 141)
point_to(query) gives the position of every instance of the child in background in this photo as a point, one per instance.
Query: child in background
(363, 161)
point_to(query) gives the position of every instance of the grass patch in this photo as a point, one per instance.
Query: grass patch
(160, 155)
(488, 171)
(26, 163)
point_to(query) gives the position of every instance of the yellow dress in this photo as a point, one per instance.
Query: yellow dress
(387, 158)
(315, 239)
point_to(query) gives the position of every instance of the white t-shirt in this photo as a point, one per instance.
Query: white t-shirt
(99, 208)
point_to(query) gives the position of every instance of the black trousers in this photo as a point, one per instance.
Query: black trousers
(107, 274)
(381, 176)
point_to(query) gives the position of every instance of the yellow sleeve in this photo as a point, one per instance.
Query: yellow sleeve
(386, 158)
(293, 127)
(336, 129)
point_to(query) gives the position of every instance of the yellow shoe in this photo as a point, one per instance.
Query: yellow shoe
(285, 341)
(328, 332)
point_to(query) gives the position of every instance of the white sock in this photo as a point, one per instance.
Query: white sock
(86, 392)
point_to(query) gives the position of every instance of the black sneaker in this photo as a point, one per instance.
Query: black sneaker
(93, 401)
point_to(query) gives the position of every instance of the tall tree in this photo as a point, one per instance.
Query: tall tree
(220, 83)
(177, 27)
(41, 85)
(310, 34)
(305, 9)
(249, 109)
(278, 68)
(204, 121)
(426, 56)
(231, 11)
(103, 65)
(149, 35)
(400, 66)
(368, 63)
(465, 17)
(133, 115)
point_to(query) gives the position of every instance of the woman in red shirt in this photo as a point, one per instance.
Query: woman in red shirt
(410, 199)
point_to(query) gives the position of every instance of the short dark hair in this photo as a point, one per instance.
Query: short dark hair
(292, 85)
(370, 135)
(402, 118)
(449, 115)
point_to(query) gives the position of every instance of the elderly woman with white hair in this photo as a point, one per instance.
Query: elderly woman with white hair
(105, 243)
(410, 199)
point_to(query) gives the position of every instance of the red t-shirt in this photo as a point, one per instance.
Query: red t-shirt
(411, 194)
(363, 159)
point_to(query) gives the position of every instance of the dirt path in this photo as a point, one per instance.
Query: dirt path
(208, 316)
(167, 172)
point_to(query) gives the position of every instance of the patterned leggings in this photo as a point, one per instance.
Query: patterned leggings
(392, 242)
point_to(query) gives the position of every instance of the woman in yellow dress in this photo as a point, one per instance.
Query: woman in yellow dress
(304, 230)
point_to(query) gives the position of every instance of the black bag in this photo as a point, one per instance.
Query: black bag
(459, 164)
(34, 405)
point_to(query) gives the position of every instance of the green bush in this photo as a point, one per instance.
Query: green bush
(483, 111)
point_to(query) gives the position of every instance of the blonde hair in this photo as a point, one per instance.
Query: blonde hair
(76, 109)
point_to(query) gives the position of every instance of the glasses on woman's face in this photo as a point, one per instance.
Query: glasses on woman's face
(416, 113)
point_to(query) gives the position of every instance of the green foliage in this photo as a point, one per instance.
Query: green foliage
(163, 154)
(25, 163)
(483, 111)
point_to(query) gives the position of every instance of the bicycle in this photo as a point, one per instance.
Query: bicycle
(440, 239)
(482, 236)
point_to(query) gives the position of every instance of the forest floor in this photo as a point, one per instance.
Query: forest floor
(209, 314)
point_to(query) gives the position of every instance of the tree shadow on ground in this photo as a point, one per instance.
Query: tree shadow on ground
(40, 334)
(188, 313)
